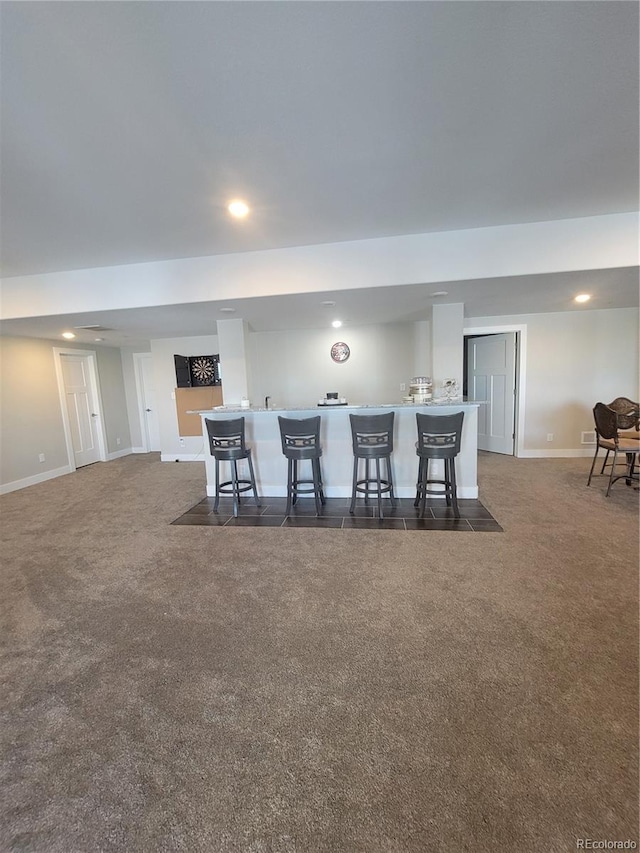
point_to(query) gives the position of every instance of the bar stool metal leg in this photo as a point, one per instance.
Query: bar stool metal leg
(354, 485)
(234, 487)
(253, 480)
(289, 485)
(217, 500)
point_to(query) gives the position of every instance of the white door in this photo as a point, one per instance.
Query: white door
(81, 409)
(491, 378)
(147, 403)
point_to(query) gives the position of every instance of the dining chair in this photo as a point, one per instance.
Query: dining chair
(628, 413)
(608, 438)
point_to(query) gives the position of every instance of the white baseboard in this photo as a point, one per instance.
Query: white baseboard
(5, 488)
(556, 454)
(117, 454)
(182, 457)
(138, 450)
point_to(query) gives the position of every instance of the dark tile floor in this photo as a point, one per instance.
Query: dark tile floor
(438, 516)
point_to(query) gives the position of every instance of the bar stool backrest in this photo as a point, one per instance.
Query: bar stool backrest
(439, 435)
(300, 437)
(372, 435)
(226, 438)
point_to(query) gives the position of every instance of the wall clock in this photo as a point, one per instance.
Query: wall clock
(340, 352)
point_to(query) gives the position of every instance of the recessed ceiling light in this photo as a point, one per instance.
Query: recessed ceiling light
(227, 310)
(238, 208)
(98, 339)
(68, 335)
(336, 324)
(441, 293)
(582, 297)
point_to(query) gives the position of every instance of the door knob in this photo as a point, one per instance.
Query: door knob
(93, 415)
(147, 410)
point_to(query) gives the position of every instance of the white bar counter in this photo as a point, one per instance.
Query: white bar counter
(263, 436)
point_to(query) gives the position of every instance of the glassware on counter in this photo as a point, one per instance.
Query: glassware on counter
(421, 389)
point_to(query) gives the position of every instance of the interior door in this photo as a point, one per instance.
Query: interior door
(491, 378)
(148, 403)
(81, 409)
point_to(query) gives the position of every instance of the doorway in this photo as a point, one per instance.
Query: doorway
(494, 362)
(78, 388)
(147, 409)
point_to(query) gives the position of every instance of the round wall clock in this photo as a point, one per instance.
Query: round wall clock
(340, 352)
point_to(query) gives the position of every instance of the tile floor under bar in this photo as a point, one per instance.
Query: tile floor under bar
(475, 518)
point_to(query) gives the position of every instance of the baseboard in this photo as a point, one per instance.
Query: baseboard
(182, 457)
(117, 454)
(138, 450)
(33, 481)
(556, 454)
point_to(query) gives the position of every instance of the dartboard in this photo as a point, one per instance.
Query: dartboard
(203, 370)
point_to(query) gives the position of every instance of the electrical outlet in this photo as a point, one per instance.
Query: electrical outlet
(182, 442)
(403, 386)
(41, 457)
(549, 436)
(118, 441)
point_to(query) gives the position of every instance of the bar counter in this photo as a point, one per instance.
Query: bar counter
(263, 436)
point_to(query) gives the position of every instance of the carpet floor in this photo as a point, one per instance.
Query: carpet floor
(281, 690)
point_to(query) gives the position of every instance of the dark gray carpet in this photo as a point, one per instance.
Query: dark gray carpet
(176, 688)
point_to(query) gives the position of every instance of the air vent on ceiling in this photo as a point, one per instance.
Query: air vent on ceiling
(95, 328)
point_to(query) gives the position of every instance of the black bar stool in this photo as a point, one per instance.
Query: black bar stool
(438, 438)
(300, 441)
(226, 442)
(372, 437)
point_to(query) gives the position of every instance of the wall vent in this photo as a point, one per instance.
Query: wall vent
(588, 437)
(96, 328)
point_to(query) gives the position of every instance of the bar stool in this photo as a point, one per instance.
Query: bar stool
(301, 441)
(226, 442)
(372, 438)
(438, 438)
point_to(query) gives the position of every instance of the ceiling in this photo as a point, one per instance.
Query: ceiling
(126, 127)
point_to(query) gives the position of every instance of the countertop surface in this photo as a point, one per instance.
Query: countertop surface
(456, 402)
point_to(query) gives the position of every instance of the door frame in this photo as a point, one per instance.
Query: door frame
(94, 383)
(521, 372)
(137, 370)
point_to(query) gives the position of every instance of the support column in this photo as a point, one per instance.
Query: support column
(233, 340)
(422, 348)
(447, 341)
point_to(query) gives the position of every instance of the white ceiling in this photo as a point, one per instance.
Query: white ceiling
(127, 126)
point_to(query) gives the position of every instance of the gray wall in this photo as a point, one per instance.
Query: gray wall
(295, 368)
(31, 417)
(163, 351)
(574, 360)
(114, 401)
(131, 394)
